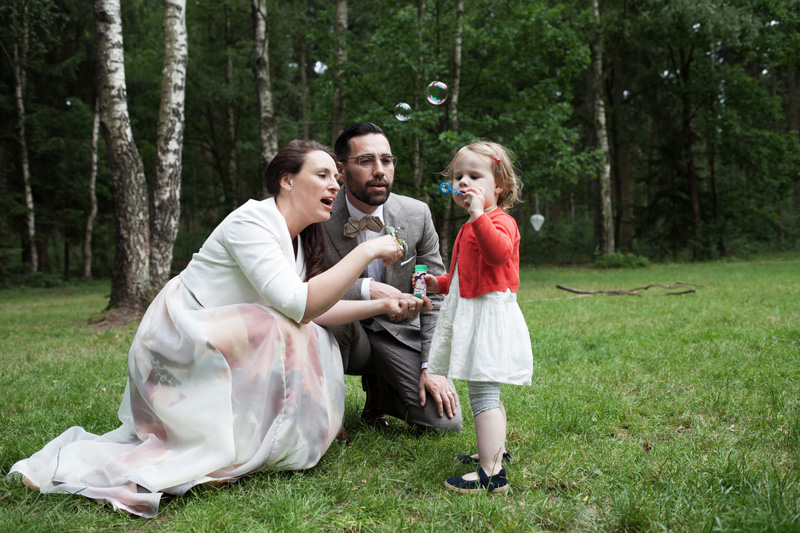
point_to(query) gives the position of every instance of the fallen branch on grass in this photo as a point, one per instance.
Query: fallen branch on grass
(687, 289)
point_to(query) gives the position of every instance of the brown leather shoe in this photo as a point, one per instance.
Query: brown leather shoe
(371, 415)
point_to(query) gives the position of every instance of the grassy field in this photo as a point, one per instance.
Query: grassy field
(646, 413)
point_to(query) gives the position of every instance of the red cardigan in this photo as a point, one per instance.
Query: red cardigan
(487, 252)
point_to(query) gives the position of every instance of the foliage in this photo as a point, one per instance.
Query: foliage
(645, 414)
(701, 85)
(621, 260)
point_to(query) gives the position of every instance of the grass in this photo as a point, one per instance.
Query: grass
(646, 414)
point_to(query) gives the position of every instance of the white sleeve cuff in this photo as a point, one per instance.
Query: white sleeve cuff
(424, 365)
(365, 289)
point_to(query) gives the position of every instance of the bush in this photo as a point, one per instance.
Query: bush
(621, 260)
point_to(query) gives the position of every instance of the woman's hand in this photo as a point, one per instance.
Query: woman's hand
(386, 248)
(406, 306)
(431, 284)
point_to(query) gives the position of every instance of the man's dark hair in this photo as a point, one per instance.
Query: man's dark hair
(342, 146)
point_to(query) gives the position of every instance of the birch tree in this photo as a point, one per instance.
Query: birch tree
(130, 284)
(607, 215)
(268, 130)
(20, 31)
(169, 144)
(87, 239)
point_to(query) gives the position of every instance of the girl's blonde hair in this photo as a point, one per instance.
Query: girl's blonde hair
(505, 175)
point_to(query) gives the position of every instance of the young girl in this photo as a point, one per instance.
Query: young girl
(481, 335)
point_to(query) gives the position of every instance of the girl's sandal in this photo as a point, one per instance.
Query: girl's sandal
(496, 484)
(468, 459)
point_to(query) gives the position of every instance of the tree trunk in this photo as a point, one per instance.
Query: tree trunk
(19, 60)
(607, 226)
(791, 86)
(452, 110)
(230, 179)
(169, 144)
(712, 157)
(266, 114)
(417, 163)
(339, 80)
(130, 284)
(87, 239)
(688, 148)
(304, 86)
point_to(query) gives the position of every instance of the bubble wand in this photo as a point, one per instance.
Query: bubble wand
(446, 188)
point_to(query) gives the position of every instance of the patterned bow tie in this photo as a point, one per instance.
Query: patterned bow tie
(354, 225)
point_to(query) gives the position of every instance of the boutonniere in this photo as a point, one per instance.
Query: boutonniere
(394, 232)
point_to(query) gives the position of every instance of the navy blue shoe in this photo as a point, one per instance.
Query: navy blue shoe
(468, 459)
(496, 484)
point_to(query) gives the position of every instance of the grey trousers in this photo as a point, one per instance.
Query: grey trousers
(397, 366)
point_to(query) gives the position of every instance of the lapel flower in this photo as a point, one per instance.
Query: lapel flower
(394, 232)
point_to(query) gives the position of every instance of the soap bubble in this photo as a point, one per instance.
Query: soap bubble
(437, 92)
(402, 111)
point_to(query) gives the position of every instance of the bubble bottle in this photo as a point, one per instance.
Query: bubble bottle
(418, 281)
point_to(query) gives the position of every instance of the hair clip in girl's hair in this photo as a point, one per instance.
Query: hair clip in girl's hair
(496, 161)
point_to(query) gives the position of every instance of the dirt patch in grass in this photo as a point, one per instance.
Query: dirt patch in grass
(116, 318)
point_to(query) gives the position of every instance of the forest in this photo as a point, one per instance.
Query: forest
(661, 129)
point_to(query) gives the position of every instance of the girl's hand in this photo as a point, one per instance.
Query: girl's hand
(431, 283)
(386, 248)
(472, 200)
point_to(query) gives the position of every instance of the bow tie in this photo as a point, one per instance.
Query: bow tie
(354, 225)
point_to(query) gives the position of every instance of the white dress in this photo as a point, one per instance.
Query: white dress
(214, 392)
(481, 339)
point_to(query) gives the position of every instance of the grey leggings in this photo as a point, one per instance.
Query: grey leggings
(484, 395)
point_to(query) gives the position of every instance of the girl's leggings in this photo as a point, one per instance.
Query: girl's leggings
(484, 395)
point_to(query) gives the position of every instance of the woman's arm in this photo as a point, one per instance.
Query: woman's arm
(329, 287)
(346, 311)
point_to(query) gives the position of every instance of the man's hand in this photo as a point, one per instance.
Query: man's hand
(444, 396)
(405, 305)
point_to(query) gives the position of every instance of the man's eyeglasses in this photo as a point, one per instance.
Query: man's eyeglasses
(367, 162)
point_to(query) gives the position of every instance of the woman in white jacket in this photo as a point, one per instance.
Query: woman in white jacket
(227, 373)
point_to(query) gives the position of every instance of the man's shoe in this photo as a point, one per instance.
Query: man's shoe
(371, 415)
(375, 419)
(468, 459)
(496, 484)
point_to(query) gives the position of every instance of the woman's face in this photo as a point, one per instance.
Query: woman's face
(314, 188)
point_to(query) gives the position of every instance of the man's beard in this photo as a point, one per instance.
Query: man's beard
(372, 198)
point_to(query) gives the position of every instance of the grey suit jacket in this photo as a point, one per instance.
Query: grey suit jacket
(413, 221)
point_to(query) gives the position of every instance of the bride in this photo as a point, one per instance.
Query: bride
(227, 373)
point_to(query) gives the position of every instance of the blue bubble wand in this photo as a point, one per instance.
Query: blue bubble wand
(446, 189)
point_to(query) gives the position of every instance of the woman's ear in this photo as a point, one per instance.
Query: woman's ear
(286, 182)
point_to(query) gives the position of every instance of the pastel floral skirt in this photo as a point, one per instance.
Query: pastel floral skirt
(212, 394)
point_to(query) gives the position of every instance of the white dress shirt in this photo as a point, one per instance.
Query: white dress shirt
(376, 269)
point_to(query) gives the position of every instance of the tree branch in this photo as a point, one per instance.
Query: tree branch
(687, 289)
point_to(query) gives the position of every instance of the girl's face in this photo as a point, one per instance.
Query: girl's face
(475, 170)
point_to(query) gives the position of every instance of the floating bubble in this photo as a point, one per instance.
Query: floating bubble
(437, 92)
(536, 221)
(402, 111)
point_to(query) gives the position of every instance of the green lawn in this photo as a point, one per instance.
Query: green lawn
(646, 413)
